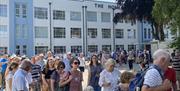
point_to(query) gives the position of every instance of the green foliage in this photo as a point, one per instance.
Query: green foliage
(167, 12)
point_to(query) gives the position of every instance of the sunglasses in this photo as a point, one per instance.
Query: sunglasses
(76, 63)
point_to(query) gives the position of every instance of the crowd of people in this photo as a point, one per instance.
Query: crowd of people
(47, 72)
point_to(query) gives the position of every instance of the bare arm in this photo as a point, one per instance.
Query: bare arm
(62, 83)
(10, 84)
(52, 84)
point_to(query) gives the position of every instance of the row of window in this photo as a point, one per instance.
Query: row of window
(21, 10)
(60, 32)
(78, 49)
(42, 13)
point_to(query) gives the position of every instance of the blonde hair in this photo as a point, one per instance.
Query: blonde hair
(89, 88)
(126, 77)
(110, 62)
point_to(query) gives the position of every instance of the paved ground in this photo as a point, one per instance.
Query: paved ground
(121, 69)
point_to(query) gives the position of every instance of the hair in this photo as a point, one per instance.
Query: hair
(59, 65)
(47, 65)
(25, 64)
(126, 77)
(91, 62)
(161, 53)
(73, 59)
(109, 62)
(13, 65)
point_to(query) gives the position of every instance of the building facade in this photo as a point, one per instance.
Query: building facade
(34, 26)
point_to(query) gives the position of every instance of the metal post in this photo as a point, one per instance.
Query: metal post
(113, 31)
(50, 31)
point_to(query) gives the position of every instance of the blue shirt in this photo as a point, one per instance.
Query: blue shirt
(20, 82)
(67, 65)
(4, 65)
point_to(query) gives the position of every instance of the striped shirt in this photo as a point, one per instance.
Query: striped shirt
(176, 64)
(36, 71)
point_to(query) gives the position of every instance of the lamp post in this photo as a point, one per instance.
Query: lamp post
(50, 25)
(84, 9)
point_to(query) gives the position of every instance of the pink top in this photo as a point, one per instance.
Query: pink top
(75, 84)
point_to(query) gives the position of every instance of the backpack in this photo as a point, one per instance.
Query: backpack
(137, 82)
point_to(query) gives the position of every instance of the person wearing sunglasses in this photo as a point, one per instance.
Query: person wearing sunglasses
(60, 79)
(77, 78)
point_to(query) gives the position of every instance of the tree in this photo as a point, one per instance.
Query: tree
(140, 10)
(167, 13)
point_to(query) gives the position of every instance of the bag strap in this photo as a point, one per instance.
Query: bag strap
(158, 69)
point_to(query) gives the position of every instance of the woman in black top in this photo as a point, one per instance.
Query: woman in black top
(46, 74)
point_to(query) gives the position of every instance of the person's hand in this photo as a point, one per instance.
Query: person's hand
(166, 84)
(106, 84)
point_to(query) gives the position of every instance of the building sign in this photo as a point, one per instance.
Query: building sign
(97, 5)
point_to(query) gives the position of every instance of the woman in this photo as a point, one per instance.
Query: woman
(46, 74)
(82, 62)
(76, 82)
(94, 71)
(12, 69)
(109, 77)
(60, 79)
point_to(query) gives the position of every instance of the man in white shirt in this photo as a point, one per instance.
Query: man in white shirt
(153, 80)
(20, 81)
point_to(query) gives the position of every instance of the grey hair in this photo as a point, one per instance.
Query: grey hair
(161, 53)
(25, 64)
(110, 62)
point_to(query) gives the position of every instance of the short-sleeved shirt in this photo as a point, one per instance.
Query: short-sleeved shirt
(48, 73)
(67, 65)
(19, 81)
(56, 77)
(75, 84)
(36, 72)
(152, 78)
(4, 65)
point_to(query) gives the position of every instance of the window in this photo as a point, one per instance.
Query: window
(17, 6)
(131, 47)
(59, 32)
(24, 49)
(41, 32)
(24, 11)
(75, 16)
(59, 49)
(18, 31)
(76, 49)
(92, 32)
(106, 48)
(3, 10)
(41, 49)
(75, 32)
(105, 17)
(91, 16)
(25, 31)
(131, 34)
(118, 47)
(106, 33)
(145, 33)
(149, 33)
(58, 15)
(3, 31)
(119, 33)
(17, 50)
(41, 13)
(92, 48)
(3, 50)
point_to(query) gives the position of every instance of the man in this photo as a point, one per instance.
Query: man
(36, 74)
(41, 61)
(176, 66)
(3, 66)
(20, 82)
(67, 61)
(153, 79)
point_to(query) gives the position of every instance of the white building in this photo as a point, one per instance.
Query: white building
(35, 26)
